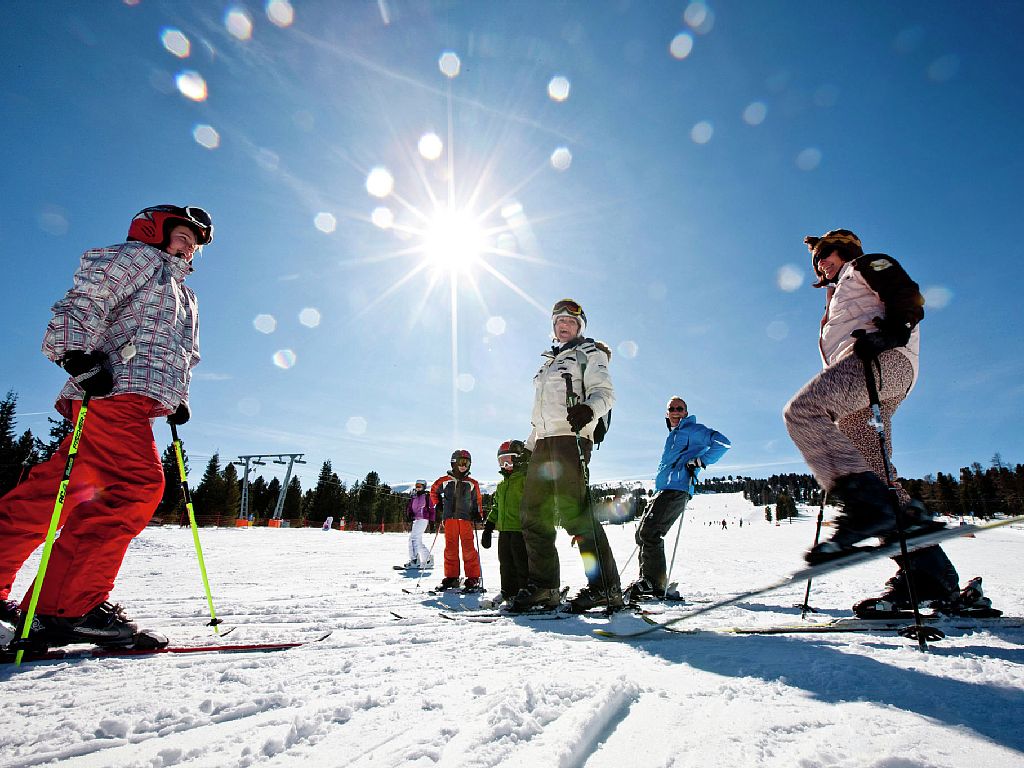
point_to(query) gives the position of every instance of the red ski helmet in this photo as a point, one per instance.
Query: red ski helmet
(153, 225)
(461, 454)
(513, 448)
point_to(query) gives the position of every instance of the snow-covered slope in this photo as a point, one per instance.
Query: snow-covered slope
(425, 691)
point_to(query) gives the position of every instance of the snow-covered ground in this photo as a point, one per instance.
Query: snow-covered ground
(426, 691)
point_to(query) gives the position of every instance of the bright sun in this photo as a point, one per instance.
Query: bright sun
(454, 240)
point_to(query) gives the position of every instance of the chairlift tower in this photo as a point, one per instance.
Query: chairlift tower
(257, 460)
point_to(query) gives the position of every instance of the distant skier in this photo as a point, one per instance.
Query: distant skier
(555, 489)
(504, 517)
(420, 512)
(458, 506)
(873, 296)
(688, 449)
(127, 332)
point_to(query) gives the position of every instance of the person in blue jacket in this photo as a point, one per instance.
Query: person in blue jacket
(689, 448)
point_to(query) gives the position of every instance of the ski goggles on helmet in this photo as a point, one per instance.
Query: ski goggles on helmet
(567, 306)
(153, 225)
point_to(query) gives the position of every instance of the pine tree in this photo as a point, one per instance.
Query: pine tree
(171, 508)
(59, 429)
(17, 456)
(293, 500)
(232, 491)
(210, 497)
(10, 465)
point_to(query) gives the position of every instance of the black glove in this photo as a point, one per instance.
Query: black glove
(180, 416)
(525, 456)
(485, 537)
(579, 416)
(87, 369)
(868, 346)
(694, 464)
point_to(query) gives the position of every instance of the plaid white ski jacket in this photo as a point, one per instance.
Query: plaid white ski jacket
(130, 301)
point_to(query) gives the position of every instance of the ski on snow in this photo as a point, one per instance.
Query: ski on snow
(854, 624)
(863, 555)
(96, 652)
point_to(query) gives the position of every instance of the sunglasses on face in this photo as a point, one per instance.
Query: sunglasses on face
(676, 408)
(462, 463)
(567, 305)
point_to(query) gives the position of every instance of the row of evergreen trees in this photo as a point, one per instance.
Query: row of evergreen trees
(370, 503)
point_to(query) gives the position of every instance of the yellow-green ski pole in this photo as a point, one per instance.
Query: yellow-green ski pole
(51, 533)
(214, 621)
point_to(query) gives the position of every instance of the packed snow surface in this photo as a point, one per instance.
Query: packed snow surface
(396, 684)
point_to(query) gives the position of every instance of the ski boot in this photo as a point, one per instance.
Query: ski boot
(535, 599)
(971, 602)
(10, 612)
(472, 584)
(106, 625)
(448, 582)
(594, 597)
(867, 511)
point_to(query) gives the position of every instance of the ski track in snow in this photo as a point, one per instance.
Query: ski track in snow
(424, 691)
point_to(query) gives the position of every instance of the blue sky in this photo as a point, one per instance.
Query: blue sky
(660, 162)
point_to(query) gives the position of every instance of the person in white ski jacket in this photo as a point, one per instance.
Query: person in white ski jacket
(572, 392)
(127, 332)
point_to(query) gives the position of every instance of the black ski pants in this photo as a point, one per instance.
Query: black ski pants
(555, 493)
(657, 521)
(513, 562)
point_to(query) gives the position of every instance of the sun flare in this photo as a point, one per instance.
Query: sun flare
(454, 240)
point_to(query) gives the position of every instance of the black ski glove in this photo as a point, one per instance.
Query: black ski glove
(868, 346)
(485, 537)
(87, 369)
(579, 416)
(180, 416)
(694, 464)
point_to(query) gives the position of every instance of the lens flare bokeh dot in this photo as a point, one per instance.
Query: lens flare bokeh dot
(681, 45)
(206, 136)
(465, 382)
(808, 159)
(777, 330)
(699, 17)
(191, 85)
(280, 12)
(702, 132)
(628, 349)
(356, 425)
(382, 217)
(430, 146)
(937, 297)
(558, 88)
(561, 159)
(284, 359)
(310, 317)
(755, 113)
(53, 220)
(789, 277)
(238, 23)
(325, 222)
(380, 182)
(496, 325)
(175, 42)
(449, 64)
(265, 323)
